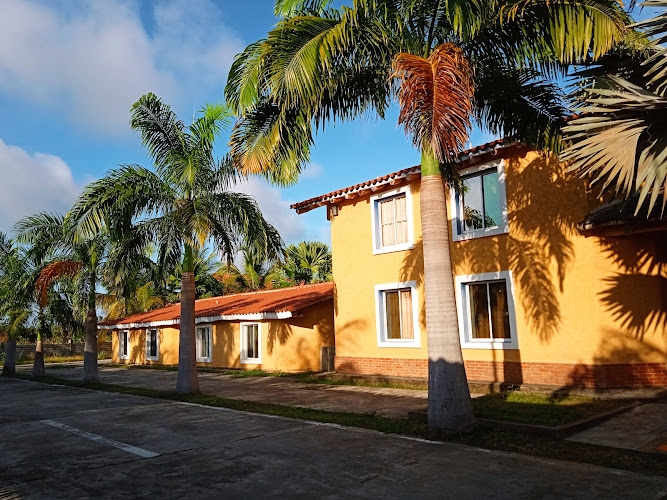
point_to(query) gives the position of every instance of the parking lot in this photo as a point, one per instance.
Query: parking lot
(75, 443)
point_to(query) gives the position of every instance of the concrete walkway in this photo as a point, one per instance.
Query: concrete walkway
(643, 428)
(394, 403)
(65, 442)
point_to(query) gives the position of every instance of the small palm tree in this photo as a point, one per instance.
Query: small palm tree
(620, 137)
(178, 208)
(307, 262)
(118, 305)
(53, 237)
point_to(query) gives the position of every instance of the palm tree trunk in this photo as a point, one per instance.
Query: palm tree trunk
(449, 403)
(187, 382)
(90, 371)
(38, 365)
(9, 368)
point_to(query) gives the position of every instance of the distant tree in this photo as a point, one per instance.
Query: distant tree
(308, 262)
(180, 207)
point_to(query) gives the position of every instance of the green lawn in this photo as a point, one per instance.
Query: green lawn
(541, 409)
(60, 359)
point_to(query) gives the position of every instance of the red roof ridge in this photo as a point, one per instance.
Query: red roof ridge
(311, 203)
(267, 290)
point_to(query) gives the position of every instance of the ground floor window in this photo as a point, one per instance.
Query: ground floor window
(251, 343)
(124, 344)
(485, 303)
(152, 351)
(397, 314)
(203, 334)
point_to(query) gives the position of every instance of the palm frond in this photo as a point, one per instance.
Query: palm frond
(657, 29)
(435, 96)
(54, 271)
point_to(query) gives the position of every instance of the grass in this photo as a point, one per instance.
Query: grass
(233, 373)
(541, 409)
(310, 379)
(60, 359)
(483, 436)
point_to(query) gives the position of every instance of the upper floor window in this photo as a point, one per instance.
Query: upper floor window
(481, 209)
(203, 338)
(392, 221)
(485, 304)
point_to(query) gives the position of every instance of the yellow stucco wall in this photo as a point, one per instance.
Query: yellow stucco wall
(578, 299)
(290, 345)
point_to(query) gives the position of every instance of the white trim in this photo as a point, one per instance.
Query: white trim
(245, 360)
(157, 345)
(503, 227)
(206, 359)
(127, 355)
(462, 306)
(380, 316)
(375, 221)
(204, 319)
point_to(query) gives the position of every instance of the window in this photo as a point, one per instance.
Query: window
(251, 343)
(397, 315)
(203, 338)
(486, 311)
(481, 209)
(124, 344)
(152, 351)
(392, 221)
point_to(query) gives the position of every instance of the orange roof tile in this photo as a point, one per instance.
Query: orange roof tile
(277, 303)
(310, 204)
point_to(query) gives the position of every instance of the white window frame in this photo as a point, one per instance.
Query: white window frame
(157, 345)
(245, 360)
(127, 336)
(455, 198)
(377, 227)
(463, 307)
(208, 358)
(380, 315)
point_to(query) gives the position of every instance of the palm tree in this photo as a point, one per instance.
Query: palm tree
(322, 64)
(143, 299)
(179, 207)
(620, 137)
(307, 262)
(53, 237)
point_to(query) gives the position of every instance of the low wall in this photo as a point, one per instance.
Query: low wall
(25, 351)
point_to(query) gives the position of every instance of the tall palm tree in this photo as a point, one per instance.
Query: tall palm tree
(53, 237)
(307, 262)
(620, 137)
(321, 65)
(178, 207)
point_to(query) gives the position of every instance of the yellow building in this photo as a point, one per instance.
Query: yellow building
(552, 288)
(284, 329)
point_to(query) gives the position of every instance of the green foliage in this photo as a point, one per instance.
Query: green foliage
(307, 262)
(620, 137)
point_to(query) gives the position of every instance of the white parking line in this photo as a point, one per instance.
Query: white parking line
(100, 439)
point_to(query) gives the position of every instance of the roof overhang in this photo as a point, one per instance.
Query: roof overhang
(202, 320)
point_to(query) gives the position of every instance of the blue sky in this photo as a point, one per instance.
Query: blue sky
(70, 70)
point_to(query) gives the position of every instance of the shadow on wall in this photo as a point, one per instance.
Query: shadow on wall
(636, 296)
(279, 332)
(612, 364)
(223, 338)
(350, 331)
(138, 341)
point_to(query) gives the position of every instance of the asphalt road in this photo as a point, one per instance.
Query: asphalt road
(63, 442)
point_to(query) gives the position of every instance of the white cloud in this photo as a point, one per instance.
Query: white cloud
(32, 183)
(92, 60)
(312, 171)
(276, 210)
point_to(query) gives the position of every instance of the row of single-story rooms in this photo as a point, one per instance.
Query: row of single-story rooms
(286, 329)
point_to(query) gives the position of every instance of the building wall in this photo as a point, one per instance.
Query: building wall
(290, 345)
(580, 302)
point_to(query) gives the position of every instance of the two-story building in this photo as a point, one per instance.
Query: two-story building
(552, 286)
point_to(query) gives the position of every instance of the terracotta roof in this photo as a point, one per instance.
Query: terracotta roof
(278, 303)
(318, 201)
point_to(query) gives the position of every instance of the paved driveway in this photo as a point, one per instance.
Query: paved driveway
(279, 390)
(63, 442)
